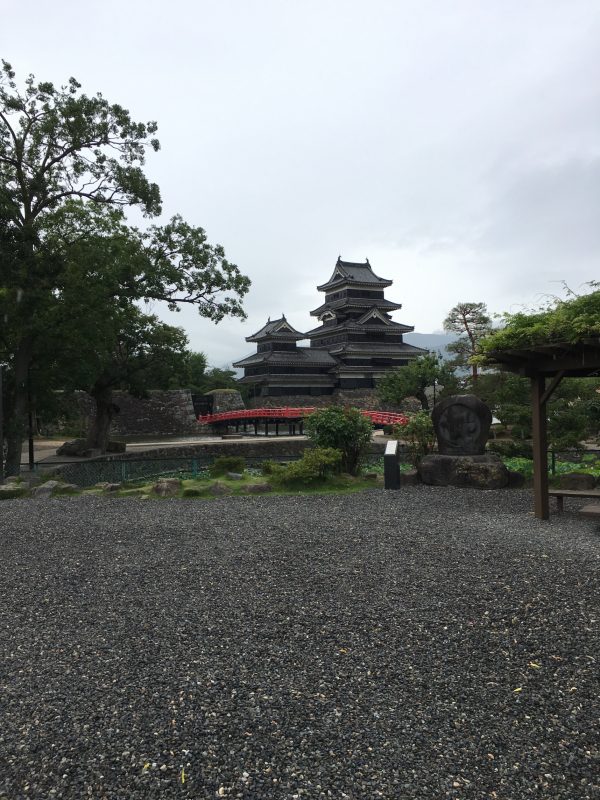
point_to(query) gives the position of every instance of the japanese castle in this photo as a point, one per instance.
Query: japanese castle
(355, 343)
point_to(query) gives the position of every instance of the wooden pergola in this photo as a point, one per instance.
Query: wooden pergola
(541, 364)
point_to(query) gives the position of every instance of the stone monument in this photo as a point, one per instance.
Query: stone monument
(462, 424)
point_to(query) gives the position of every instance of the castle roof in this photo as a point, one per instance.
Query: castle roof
(364, 324)
(276, 329)
(370, 348)
(301, 356)
(353, 272)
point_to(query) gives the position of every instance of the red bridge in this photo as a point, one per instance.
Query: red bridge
(254, 416)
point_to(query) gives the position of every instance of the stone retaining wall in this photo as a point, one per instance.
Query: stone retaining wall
(367, 399)
(247, 447)
(161, 413)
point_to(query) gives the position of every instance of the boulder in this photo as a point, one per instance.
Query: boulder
(235, 476)
(112, 487)
(10, 491)
(168, 487)
(259, 488)
(46, 489)
(67, 488)
(76, 448)
(477, 472)
(579, 481)
(219, 489)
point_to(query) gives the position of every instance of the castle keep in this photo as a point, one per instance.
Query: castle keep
(354, 344)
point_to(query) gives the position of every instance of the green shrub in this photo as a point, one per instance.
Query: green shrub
(267, 467)
(315, 465)
(522, 465)
(225, 464)
(418, 433)
(343, 429)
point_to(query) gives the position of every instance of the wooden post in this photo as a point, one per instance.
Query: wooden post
(277, 428)
(540, 447)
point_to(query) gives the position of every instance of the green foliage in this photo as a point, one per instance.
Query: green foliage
(570, 320)
(568, 424)
(196, 369)
(419, 434)
(315, 465)
(224, 464)
(520, 464)
(419, 375)
(509, 397)
(511, 449)
(218, 379)
(344, 429)
(525, 466)
(571, 410)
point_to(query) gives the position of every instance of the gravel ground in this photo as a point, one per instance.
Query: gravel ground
(426, 643)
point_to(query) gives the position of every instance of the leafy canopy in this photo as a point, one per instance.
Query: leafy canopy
(56, 143)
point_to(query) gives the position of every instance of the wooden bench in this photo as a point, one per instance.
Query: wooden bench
(592, 511)
(560, 494)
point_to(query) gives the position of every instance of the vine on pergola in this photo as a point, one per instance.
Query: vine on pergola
(572, 320)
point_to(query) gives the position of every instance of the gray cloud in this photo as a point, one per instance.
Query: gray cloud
(454, 144)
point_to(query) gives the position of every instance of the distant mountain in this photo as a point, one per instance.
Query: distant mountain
(431, 341)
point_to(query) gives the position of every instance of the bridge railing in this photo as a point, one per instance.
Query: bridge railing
(252, 414)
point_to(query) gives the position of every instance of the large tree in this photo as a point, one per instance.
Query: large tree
(68, 164)
(107, 267)
(55, 144)
(472, 322)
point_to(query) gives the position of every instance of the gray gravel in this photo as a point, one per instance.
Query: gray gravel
(426, 643)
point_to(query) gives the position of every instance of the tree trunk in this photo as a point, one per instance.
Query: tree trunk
(99, 432)
(16, 414)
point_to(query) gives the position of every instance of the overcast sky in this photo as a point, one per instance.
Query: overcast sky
(455, 143)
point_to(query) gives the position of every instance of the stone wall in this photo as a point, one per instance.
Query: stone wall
(162, 413)
(366, 399)
(225, 400)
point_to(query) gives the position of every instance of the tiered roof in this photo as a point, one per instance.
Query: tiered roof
(276, 329)
(353, 272)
